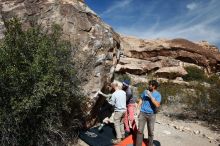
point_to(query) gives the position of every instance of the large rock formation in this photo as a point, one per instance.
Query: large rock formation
(166, 58)
(95, 43)
(99, 51)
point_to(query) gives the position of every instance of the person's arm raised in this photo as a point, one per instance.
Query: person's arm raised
(107, 96)
(156, 103)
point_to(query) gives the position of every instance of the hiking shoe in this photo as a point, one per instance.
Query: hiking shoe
(127, 133)
(101, 126)
(116, 141)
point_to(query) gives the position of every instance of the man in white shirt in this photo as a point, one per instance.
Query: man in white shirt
(118, 100)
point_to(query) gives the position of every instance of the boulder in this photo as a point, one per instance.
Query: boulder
(136, 66)
(94, 42)
(171, 72)
(178, 51)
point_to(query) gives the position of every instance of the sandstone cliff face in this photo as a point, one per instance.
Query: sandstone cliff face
(95, 43)
(164, 57)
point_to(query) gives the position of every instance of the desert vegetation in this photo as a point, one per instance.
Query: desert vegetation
(121, 77)
(40, 102)
(201, 98)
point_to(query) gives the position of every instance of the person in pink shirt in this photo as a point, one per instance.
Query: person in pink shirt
(130, 103)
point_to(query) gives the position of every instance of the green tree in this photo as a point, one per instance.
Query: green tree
(121, 77)
(194, 74)
(38, 88)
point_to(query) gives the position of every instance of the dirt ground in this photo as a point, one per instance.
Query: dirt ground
(181, 133)
(175, 132)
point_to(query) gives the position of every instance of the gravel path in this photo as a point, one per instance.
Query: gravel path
(169, 136)
(180, 133)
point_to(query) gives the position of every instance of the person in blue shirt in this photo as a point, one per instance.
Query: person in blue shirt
(149, 101)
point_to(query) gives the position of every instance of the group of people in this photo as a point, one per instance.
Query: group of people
(125, 107)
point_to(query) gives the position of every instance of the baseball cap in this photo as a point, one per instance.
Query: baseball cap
(126, 82)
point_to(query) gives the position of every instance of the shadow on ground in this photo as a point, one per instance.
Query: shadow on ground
(156, 143)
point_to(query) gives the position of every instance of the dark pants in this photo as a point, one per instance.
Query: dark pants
(150, 120)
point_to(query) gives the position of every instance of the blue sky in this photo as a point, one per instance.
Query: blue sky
(195, 20)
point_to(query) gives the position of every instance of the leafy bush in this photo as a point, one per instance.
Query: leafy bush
(194, 74)
(212, 93)
(206, 103)
(170, 91)
(213, 79)
(121, 77)
(205, 96)
(40, 100)
(140, 88)
(198, 97)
